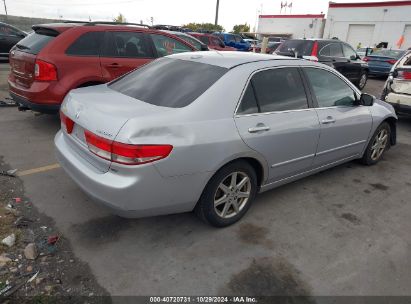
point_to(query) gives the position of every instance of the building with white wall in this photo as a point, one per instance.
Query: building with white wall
(291, 26)
(370, 23)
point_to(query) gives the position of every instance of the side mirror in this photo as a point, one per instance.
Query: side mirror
(366, 100)
(204, 48)
(353, 57)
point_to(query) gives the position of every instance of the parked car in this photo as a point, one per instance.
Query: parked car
(57, 58)
(397, 89)
(235, 41)
(271, 47)
(364, 51)
(381, 61)
(199, 45)
(332, 52)
(9, 36)
(253, 42)
(213, 42)
(169, 137)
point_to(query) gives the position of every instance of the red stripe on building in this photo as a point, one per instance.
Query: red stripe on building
(369, 4)
(293, 16)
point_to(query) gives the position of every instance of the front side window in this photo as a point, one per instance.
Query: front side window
(329, 89)
(216, 41)
(204, 39)
(230, 38)
(87, 44)
(127, 45)
(349, 53)
(167, 45)
(192, 41)
(169, 82)
(278, 89)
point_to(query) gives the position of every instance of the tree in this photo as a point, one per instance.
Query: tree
(241, 28)
(120, 18)
(204, 26)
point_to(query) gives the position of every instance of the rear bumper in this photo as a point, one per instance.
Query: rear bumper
(400, 102)
(43, 108)
(131, 191)
(379, 71)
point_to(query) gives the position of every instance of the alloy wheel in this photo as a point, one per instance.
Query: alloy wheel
(379, 144)
(232, 194)
(363, 81)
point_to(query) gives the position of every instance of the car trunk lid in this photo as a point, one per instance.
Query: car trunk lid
(103, 112)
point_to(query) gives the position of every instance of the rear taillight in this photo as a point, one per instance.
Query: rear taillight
(124, 153)
(366, 59)
(391, 61)
(44, 71)
(66, 122)
(405, 75)
(314, 51)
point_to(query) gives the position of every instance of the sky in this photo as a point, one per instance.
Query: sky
(176, 12)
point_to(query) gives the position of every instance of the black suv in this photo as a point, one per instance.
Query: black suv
(332, 52)
(9, 36)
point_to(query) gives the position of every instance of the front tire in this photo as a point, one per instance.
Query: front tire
(362, 81)
(378, 144)
(228, 195)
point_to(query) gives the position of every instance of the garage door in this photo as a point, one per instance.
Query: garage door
(407, 37)
(360, 33)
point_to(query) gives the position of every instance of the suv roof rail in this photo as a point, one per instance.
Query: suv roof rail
(115, 23)
(74, 21)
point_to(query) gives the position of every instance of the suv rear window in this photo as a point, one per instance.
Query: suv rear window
(169, 82)
(299, 47)
(34, 43)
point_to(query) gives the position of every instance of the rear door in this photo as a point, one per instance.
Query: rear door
(345, 126)
(124, 51)
(274, 119)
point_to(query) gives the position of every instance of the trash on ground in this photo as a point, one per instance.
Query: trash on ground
(31, 252)
(52, 239)
(10, 173)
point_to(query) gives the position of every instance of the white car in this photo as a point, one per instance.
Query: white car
(397, 90)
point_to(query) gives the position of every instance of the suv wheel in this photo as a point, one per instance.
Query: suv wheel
(228, 195)
(362, 81)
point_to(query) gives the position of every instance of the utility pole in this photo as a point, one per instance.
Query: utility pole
(5, 6)
(216, 12)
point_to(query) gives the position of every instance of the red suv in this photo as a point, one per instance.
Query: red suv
(59, 57)
(213, 42)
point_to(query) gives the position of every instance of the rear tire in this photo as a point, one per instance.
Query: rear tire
(362, 81)
(378, 144)
(228, 195)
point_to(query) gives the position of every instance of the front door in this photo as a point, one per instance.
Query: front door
(345, 125)
(274, 119)
(124, 51)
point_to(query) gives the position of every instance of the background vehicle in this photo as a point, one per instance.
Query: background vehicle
(57, 58)
(9, 36)
(381, 61)
(213, 42)
(271, 47)
(335, 53)
(397, 89)
(177, 139)
(199, 45)
(364, 51)
(234, 40)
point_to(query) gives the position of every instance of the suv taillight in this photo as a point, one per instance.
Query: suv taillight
(125, 154)
(404, 75)
(66, 122)
(44, 71)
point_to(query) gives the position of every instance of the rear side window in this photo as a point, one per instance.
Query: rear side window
(127, 44)
(332, 50)
(166, 45)
(192, 41)
(278, 89)
(248, 104)
(169, 82)
(298, 47)
(34, 43)
(8, 31)
(88, 44)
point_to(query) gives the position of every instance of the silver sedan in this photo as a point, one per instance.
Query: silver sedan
(207, 131)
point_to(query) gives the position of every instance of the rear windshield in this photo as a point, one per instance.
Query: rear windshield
(169, 82)
(298, 47)
(388, 53)
(34, 43)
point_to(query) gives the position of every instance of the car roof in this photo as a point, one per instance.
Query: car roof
(63, 26)
(227, 59)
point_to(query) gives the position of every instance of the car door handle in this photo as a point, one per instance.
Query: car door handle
(328, 120)
(258, 128)
(114, 65)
